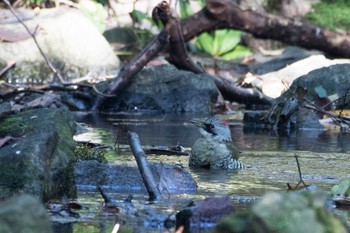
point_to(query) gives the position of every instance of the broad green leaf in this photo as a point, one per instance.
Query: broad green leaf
(239, 52)
(218, 38)
(138, 16)
(230, 41)
(205, 42)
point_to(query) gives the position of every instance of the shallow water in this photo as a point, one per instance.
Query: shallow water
(270, 158)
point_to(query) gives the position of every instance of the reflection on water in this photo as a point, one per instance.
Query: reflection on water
(176, 129)
(267, 172)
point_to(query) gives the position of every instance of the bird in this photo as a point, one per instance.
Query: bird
(214, 148)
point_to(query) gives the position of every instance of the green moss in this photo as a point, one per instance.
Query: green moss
(84, 152)
(11, 174)
(14, 126)
(331, 14)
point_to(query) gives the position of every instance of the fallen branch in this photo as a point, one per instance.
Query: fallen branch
(155, 151)
(224, 14)
(335, 117)
(143, 166)
(178, 55)
(171, 35)
(242, 95)
(132, 68)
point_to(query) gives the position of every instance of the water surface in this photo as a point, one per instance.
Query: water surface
(270, 158)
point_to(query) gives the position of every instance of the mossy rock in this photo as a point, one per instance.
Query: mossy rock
(287, 212)
(40, 159)
(24, 213)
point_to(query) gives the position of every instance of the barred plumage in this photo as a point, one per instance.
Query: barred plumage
(214, 149)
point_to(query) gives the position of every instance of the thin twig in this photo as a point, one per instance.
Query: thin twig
(299, 171)
(51, 66)
(344, 102)
(336, 118)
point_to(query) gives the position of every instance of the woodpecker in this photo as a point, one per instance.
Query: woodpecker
(214, 149)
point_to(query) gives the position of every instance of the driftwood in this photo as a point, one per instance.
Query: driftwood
(219, 14)
(176, 47)
(132, 68)
(231, 92)
(172, 38)
(171, 35)
(144, 168)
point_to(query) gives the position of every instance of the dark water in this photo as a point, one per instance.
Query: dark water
(169, 130)
(323, 158)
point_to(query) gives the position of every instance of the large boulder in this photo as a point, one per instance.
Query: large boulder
(90, 174)
(320, 86)
(164, 88)
(39, 159)
(23, 214)
(69, 40)
(284, 212)
(273, 84)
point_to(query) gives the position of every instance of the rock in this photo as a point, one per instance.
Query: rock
(126, 177)
(23, 214)
(164, 88)
(341, 194)
(70, 41)
(287, 212)
(273, 84)
(40, 159)
(286, 110)
(205, 213)
(255, 119)
(342, 189)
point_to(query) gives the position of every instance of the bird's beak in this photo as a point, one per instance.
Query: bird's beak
(199, 124)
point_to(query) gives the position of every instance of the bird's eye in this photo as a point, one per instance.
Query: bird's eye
(211, 126)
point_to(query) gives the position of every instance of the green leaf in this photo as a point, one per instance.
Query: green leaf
(138, 16)
(205, 42)
(230, 41)
(239, 52)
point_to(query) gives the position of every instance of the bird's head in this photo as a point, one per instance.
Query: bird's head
(215, 128)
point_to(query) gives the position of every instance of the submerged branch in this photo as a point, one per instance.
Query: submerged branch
(143, 166)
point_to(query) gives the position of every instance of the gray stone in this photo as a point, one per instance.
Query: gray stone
(273, 84)
(23, 214)
(335, 81)
(126, 177)
(40, 159)
(70, 41)
(204, 213)
(166, 89)
(286, 212)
